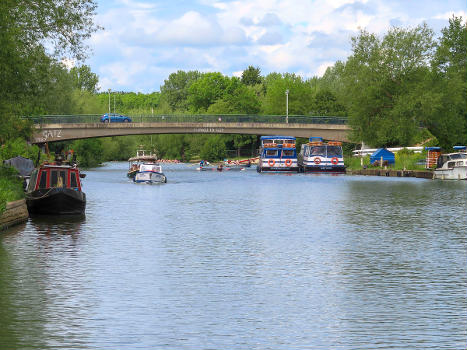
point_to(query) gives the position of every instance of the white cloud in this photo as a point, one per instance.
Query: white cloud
(146, 41)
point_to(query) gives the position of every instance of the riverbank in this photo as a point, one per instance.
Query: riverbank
(15, 213)
(423, 174)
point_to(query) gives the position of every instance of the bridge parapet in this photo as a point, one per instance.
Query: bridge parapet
(193, 118)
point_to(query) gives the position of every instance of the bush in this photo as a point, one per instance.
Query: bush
(11, 186)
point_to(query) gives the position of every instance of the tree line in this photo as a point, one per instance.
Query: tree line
(398, 89)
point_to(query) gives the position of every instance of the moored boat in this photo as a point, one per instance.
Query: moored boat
(319, 156)
(55, 189)
(452, 166)
(150, 173)
(134, 163)
(277, 154)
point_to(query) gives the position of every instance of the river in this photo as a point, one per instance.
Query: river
(241, 260)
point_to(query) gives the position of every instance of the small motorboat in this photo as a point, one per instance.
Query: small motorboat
(55, 189)
(134, 163)
(150, 173)
(452, 166)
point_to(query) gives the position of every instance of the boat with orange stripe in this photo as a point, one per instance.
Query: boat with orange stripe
(277, 154)
(319, 156)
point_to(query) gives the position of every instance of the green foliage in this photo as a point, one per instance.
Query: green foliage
(28, 72)
(252, 76)
(206, 90)
(174, 92)
(214, 149)
(300, 95)
(381, 83)
(18, 147)
(83, 79)
(11, 186)
(90, 152)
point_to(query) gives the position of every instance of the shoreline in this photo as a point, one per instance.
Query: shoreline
(16, 212)
(422, 174)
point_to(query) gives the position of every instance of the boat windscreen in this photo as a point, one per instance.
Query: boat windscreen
(458, 156)
(317, 151)
(334, 151)
(288, 152)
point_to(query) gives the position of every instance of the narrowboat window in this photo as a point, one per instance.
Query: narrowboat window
(53, 178)
(73, 182)
(288, 152)
(271, 152)
(451, 164)
(334, 151)
(62, 180)
(268, 141)
(43, 180)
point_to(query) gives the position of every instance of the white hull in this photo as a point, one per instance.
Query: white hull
(150, 177)
(456, 173)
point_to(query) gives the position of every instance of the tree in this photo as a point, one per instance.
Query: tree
(252, 76)
(84, 79)
(300, 94)
(206, 90)
(447, 119)
(382, 85)
(213, 149)
(174, 92)
(25, 28)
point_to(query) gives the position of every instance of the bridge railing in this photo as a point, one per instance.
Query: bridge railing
(193, 118)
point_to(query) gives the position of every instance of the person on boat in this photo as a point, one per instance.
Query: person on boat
(201, 164)
(220, 167)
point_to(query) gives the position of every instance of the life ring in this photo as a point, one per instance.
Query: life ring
(271, 162)
(317, 160)
(334, 160)
(288, 162)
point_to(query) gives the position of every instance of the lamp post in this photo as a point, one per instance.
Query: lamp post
(109, 105)
(287, 106)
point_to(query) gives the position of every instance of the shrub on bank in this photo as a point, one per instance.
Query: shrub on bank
(11, 186)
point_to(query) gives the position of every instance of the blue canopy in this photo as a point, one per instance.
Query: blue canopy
(432, 148)
(459, 147)
(315, 139)
(388, 156)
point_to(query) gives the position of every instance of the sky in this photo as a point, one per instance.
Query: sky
(144, 41)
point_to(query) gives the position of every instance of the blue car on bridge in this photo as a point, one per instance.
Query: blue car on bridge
(115, 118)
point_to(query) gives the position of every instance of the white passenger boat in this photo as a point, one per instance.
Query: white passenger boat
(319, 156)
(277, 154)
(150, 173)
(452, 166)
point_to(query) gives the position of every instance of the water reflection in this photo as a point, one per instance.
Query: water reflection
(242, 260)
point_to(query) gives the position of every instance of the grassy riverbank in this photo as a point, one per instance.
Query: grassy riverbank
(405, 160)
(11, 187)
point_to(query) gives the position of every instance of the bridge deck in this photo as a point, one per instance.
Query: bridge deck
(72, 131)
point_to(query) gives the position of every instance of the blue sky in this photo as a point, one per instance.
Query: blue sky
(143, 41)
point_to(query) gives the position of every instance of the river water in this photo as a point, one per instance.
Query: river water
(241, 260)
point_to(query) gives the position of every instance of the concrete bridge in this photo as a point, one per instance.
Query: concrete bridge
(62, 128)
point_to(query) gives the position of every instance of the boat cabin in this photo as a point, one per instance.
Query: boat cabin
(155, 168)
(55, 176)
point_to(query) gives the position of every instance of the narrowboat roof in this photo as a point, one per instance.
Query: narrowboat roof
(277, 137)
(459, 147)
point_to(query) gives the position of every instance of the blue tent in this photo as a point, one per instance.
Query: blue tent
(388, 156)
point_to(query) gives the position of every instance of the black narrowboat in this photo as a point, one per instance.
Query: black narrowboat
(55, 189)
